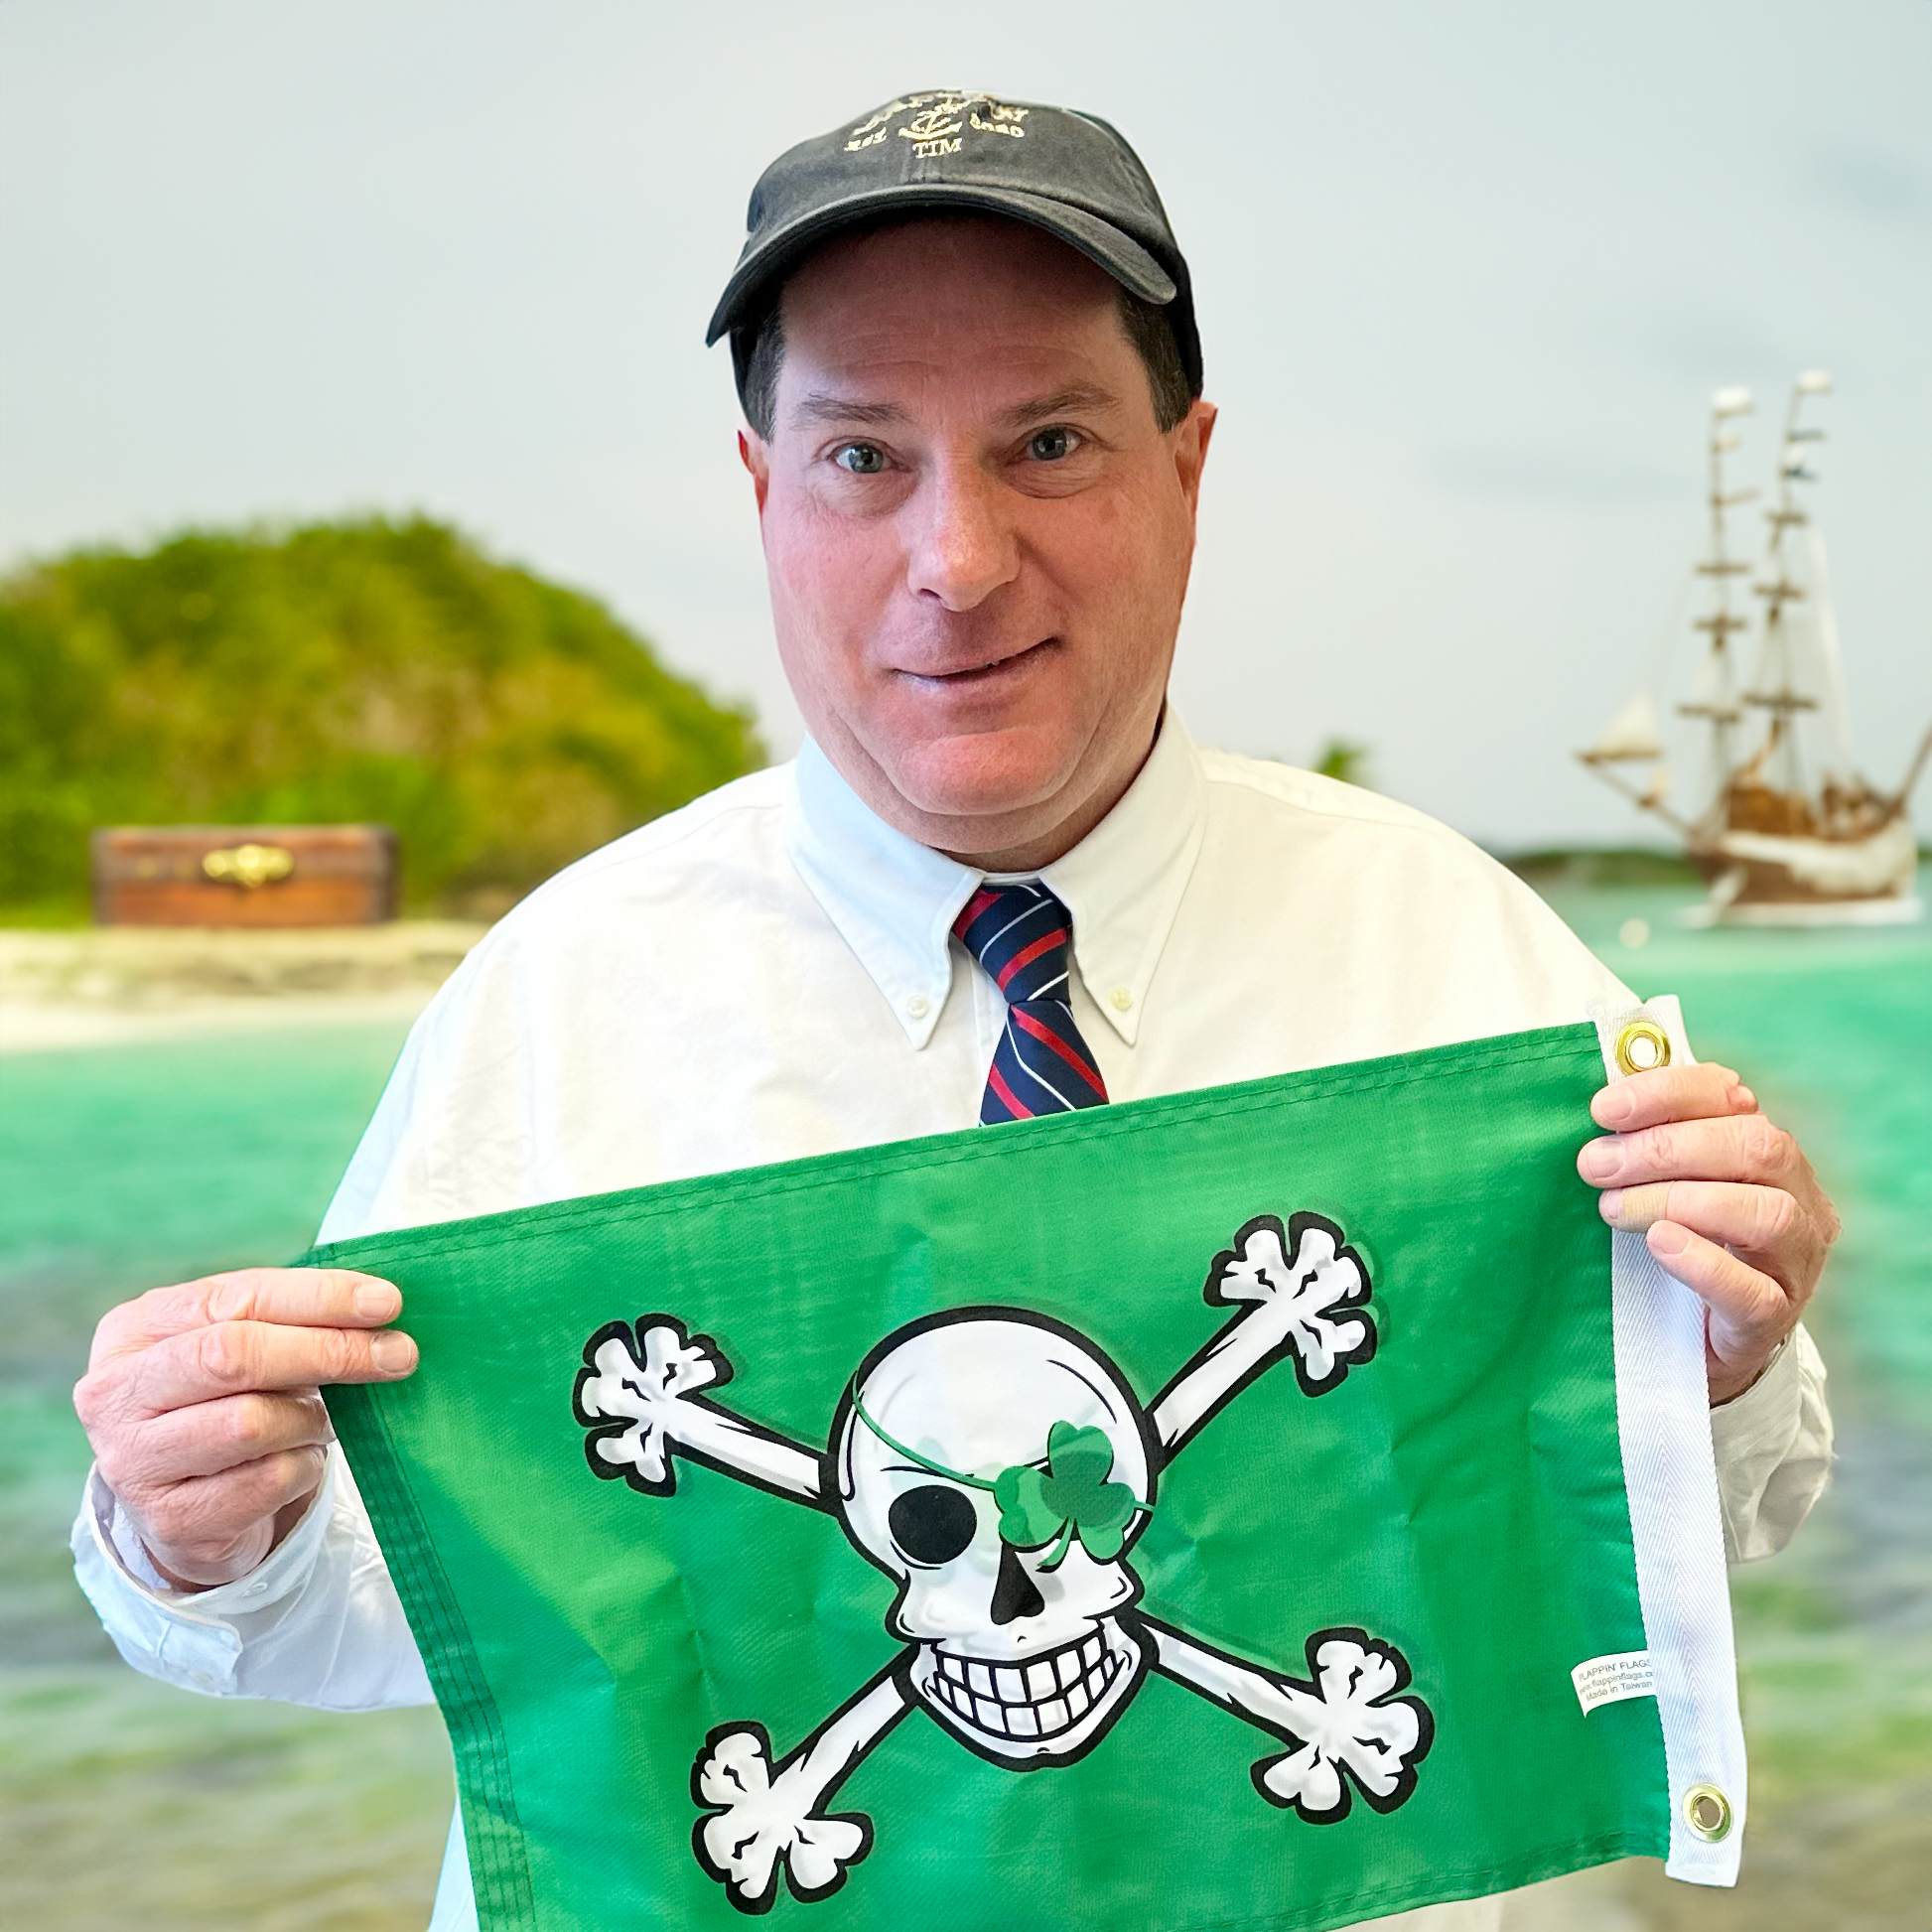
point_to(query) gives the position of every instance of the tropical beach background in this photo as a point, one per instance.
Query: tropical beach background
(206, 1107)
(359, 459)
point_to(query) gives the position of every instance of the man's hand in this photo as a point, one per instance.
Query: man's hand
(1727, 1201)
(203, 1404)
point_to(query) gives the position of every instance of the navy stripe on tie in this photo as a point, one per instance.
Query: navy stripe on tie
(1021, 936)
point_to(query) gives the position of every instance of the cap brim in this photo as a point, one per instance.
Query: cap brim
(1100, 241)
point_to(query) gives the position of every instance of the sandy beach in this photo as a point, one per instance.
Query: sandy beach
(109, 985)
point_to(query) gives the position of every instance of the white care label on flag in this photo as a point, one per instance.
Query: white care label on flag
(1609, 1680)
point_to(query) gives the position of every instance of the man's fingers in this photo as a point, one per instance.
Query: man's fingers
(1760, 1220)
(236, 1356)
(1704, 1091)
(212, 1437)
(1714, 1188)
(302, 1297)
(208, 1529)
(202, 1403)
(1749, 1314)
(1743, 1148)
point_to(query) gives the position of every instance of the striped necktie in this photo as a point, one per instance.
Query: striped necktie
(1019, 934)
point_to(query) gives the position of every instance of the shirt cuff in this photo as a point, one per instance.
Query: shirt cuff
(1764, 1415)
(1773, 1451)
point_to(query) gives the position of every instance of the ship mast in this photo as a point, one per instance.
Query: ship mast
(1778, 763)
(1714, 696)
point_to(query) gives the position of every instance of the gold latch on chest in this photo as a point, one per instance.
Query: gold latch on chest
(249, 866)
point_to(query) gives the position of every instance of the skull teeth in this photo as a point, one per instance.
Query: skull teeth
(1032, 1701)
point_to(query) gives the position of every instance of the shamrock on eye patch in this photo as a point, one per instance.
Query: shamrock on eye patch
(1070, 1497)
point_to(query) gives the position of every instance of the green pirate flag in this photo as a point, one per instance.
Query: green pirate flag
(1271, 1505)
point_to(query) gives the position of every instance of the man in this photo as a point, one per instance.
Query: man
(965, 344)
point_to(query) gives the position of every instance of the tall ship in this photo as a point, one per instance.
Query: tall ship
(1775, 816)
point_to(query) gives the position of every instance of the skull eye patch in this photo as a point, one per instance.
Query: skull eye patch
(932, 1524)
(1070, 1497)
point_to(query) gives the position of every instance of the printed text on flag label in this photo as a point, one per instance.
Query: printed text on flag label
(1609, 1680)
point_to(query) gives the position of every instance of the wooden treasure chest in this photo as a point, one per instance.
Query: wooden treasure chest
(244, 875)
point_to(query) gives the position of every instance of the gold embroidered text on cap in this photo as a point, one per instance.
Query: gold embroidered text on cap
(1708, 1812)
(1642, 1047)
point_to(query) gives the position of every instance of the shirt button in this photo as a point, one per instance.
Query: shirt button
(254, 1590)
(1121, 998)
(919, 1006)
(199, 1677)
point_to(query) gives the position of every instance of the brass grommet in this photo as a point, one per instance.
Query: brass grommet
(1708, 1812)
(1642, 1047)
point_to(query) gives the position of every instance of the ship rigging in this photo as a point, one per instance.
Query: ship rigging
(1782, 824)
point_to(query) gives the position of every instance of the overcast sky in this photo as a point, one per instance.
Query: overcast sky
(1466, 273)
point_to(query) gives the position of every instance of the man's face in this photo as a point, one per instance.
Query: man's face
(976, 536)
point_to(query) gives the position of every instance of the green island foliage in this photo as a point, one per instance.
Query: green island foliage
(369, 670)
(1341, 760)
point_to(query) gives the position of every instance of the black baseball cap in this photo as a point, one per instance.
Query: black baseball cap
(1070, 174)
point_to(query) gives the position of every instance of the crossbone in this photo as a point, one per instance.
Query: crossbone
(1016, 1599)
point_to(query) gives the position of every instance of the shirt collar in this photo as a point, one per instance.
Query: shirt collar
(1123, 883)
(894, 901)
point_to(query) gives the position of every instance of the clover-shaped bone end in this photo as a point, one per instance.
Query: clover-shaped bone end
(627, 1391)
(757, 1824)
(1364, 1738)
(1307, 1282)
(1307, 1782)
(1267, 1260)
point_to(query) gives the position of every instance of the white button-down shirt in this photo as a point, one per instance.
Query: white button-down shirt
(769, 972)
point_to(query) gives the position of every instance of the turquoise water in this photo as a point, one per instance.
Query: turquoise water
(121, 1168)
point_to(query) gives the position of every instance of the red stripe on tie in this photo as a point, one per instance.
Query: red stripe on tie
(1026, 955)
(981, 900)
(1048, 1037)
(1011, 1100)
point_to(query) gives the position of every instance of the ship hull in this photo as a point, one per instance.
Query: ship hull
(1808, 912)
(1772, 878)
